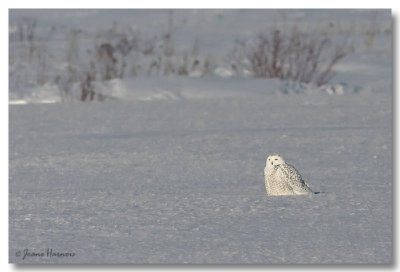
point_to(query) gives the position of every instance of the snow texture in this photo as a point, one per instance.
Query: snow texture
(171, 171)
(182, 181)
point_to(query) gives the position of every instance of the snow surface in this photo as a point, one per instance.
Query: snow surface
(170, 169)
(181, 181)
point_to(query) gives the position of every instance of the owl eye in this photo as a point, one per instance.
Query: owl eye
(276, 159)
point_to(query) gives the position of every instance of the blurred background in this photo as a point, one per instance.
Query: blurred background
(86, 55)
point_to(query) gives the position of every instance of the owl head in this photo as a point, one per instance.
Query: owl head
(274, 160)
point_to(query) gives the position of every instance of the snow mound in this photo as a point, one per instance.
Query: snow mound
(179, 88)
(289, 87)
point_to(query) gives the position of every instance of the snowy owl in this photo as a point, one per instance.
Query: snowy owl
(282, 178)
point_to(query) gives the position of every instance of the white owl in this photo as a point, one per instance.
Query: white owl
(282, 178)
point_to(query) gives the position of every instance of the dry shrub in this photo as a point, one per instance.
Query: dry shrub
(296, 56)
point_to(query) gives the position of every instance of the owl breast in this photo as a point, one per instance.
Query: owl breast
(275, 185)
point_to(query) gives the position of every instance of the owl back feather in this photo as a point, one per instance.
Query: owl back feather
(284, 179)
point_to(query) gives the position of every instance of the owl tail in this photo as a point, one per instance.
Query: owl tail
(307, 187)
